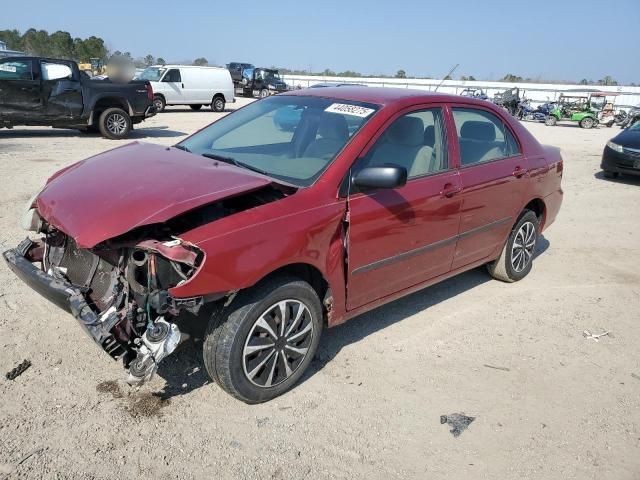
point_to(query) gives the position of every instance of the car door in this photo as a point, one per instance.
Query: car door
(61, 90)
(492, 171)
(402, 237)
(19, 90)
(173, 86)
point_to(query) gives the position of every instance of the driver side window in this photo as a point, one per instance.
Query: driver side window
(173, 75)
(55, 71)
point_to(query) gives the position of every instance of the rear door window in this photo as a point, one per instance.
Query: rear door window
(482, 136)
(16, 70)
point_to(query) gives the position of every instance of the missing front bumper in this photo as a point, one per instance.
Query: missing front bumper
(66, 296)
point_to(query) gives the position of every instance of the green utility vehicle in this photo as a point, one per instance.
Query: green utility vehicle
(588, 109)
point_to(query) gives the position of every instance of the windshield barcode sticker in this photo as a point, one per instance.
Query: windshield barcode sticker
(354, 110)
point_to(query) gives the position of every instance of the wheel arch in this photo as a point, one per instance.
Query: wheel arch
(538, 207)
(105, 102)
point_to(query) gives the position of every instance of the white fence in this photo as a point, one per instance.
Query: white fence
(536, 92)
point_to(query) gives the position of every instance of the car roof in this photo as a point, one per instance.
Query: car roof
(383, 95)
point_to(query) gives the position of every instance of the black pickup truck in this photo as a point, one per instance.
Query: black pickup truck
(49, 92)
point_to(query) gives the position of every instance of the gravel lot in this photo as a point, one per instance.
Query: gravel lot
(559, 406)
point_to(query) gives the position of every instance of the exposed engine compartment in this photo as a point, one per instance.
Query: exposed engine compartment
(127, 288)
(119, 289)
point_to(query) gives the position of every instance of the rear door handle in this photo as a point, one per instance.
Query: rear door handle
(519, 172)
(449, 190)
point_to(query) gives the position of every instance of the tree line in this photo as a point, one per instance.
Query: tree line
(63, 45)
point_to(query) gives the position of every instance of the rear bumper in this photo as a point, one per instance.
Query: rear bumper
(66, 296)
(613, 161)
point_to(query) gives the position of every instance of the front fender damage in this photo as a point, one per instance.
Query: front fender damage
(118, 292)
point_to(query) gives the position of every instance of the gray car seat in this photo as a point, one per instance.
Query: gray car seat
(403, 145)
(332, 134)
(478, 142)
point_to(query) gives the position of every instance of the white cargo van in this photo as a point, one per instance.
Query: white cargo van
(189, 85)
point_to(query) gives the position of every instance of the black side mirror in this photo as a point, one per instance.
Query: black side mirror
(380, 177)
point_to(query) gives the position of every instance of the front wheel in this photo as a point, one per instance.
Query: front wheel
(587, 122)
(259, 346)
(264, 93)
(217, 105)
(114, 123)
(550, 121)
(515, 261)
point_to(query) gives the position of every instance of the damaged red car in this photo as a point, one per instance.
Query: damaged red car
(294, 213)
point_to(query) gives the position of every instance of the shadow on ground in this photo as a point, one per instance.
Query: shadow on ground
(624, 179)
(136, 133)
(184, 372)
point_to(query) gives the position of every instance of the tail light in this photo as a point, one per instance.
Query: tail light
(149, 89)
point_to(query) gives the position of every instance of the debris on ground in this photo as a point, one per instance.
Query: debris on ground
(19, 370)
(497, 368)
(12, 468)
(457, 421)
(594, 336)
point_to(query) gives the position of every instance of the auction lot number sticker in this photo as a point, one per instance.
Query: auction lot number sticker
(354, 110)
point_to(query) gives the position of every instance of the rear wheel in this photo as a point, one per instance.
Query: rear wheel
(114, 123)
(260, 345)
(587, 122)
(515, 261)
(195, 107)
(264, 93)
(159, 103)
(217, 105)
(550, 121)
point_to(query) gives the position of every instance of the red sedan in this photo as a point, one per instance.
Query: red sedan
(297, 212)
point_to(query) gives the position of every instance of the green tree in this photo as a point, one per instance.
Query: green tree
(401, 74)
(36, 42)
(12, 38)
(149, 60)
(510, 77)
(468, 78)
(201, 61)
(608, 81)
(328, 72)
(61, 45)
(161, 61)
(584, 81)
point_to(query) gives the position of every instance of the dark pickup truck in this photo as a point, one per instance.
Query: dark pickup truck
(49, 92)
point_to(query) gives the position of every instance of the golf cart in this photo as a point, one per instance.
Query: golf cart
(588, 109)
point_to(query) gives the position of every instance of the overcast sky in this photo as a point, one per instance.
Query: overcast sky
(561, 39)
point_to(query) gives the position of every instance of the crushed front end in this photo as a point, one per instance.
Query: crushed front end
(118, 291)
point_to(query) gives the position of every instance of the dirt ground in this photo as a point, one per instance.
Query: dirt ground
(548, 402)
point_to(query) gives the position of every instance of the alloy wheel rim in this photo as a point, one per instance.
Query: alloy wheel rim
(218, 104)
(523, 246)
(278, 343)
(116, 124)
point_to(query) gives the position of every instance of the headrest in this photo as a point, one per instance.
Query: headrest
(408, 131)
(430, 136)
(333, 126)
(478, 130)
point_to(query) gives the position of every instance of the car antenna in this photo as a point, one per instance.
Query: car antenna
(447, 75)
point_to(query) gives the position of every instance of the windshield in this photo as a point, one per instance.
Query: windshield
(152, 74)
(290, 138)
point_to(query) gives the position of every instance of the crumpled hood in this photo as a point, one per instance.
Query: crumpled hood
(138, 184)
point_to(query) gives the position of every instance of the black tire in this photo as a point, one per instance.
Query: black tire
(114, 123)
(550, 121)
(217, 104)
(231, 329)
(195, 107)
(587, 122)
(159, 103)
(608, 174)
(264, 93)
(508, 267)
